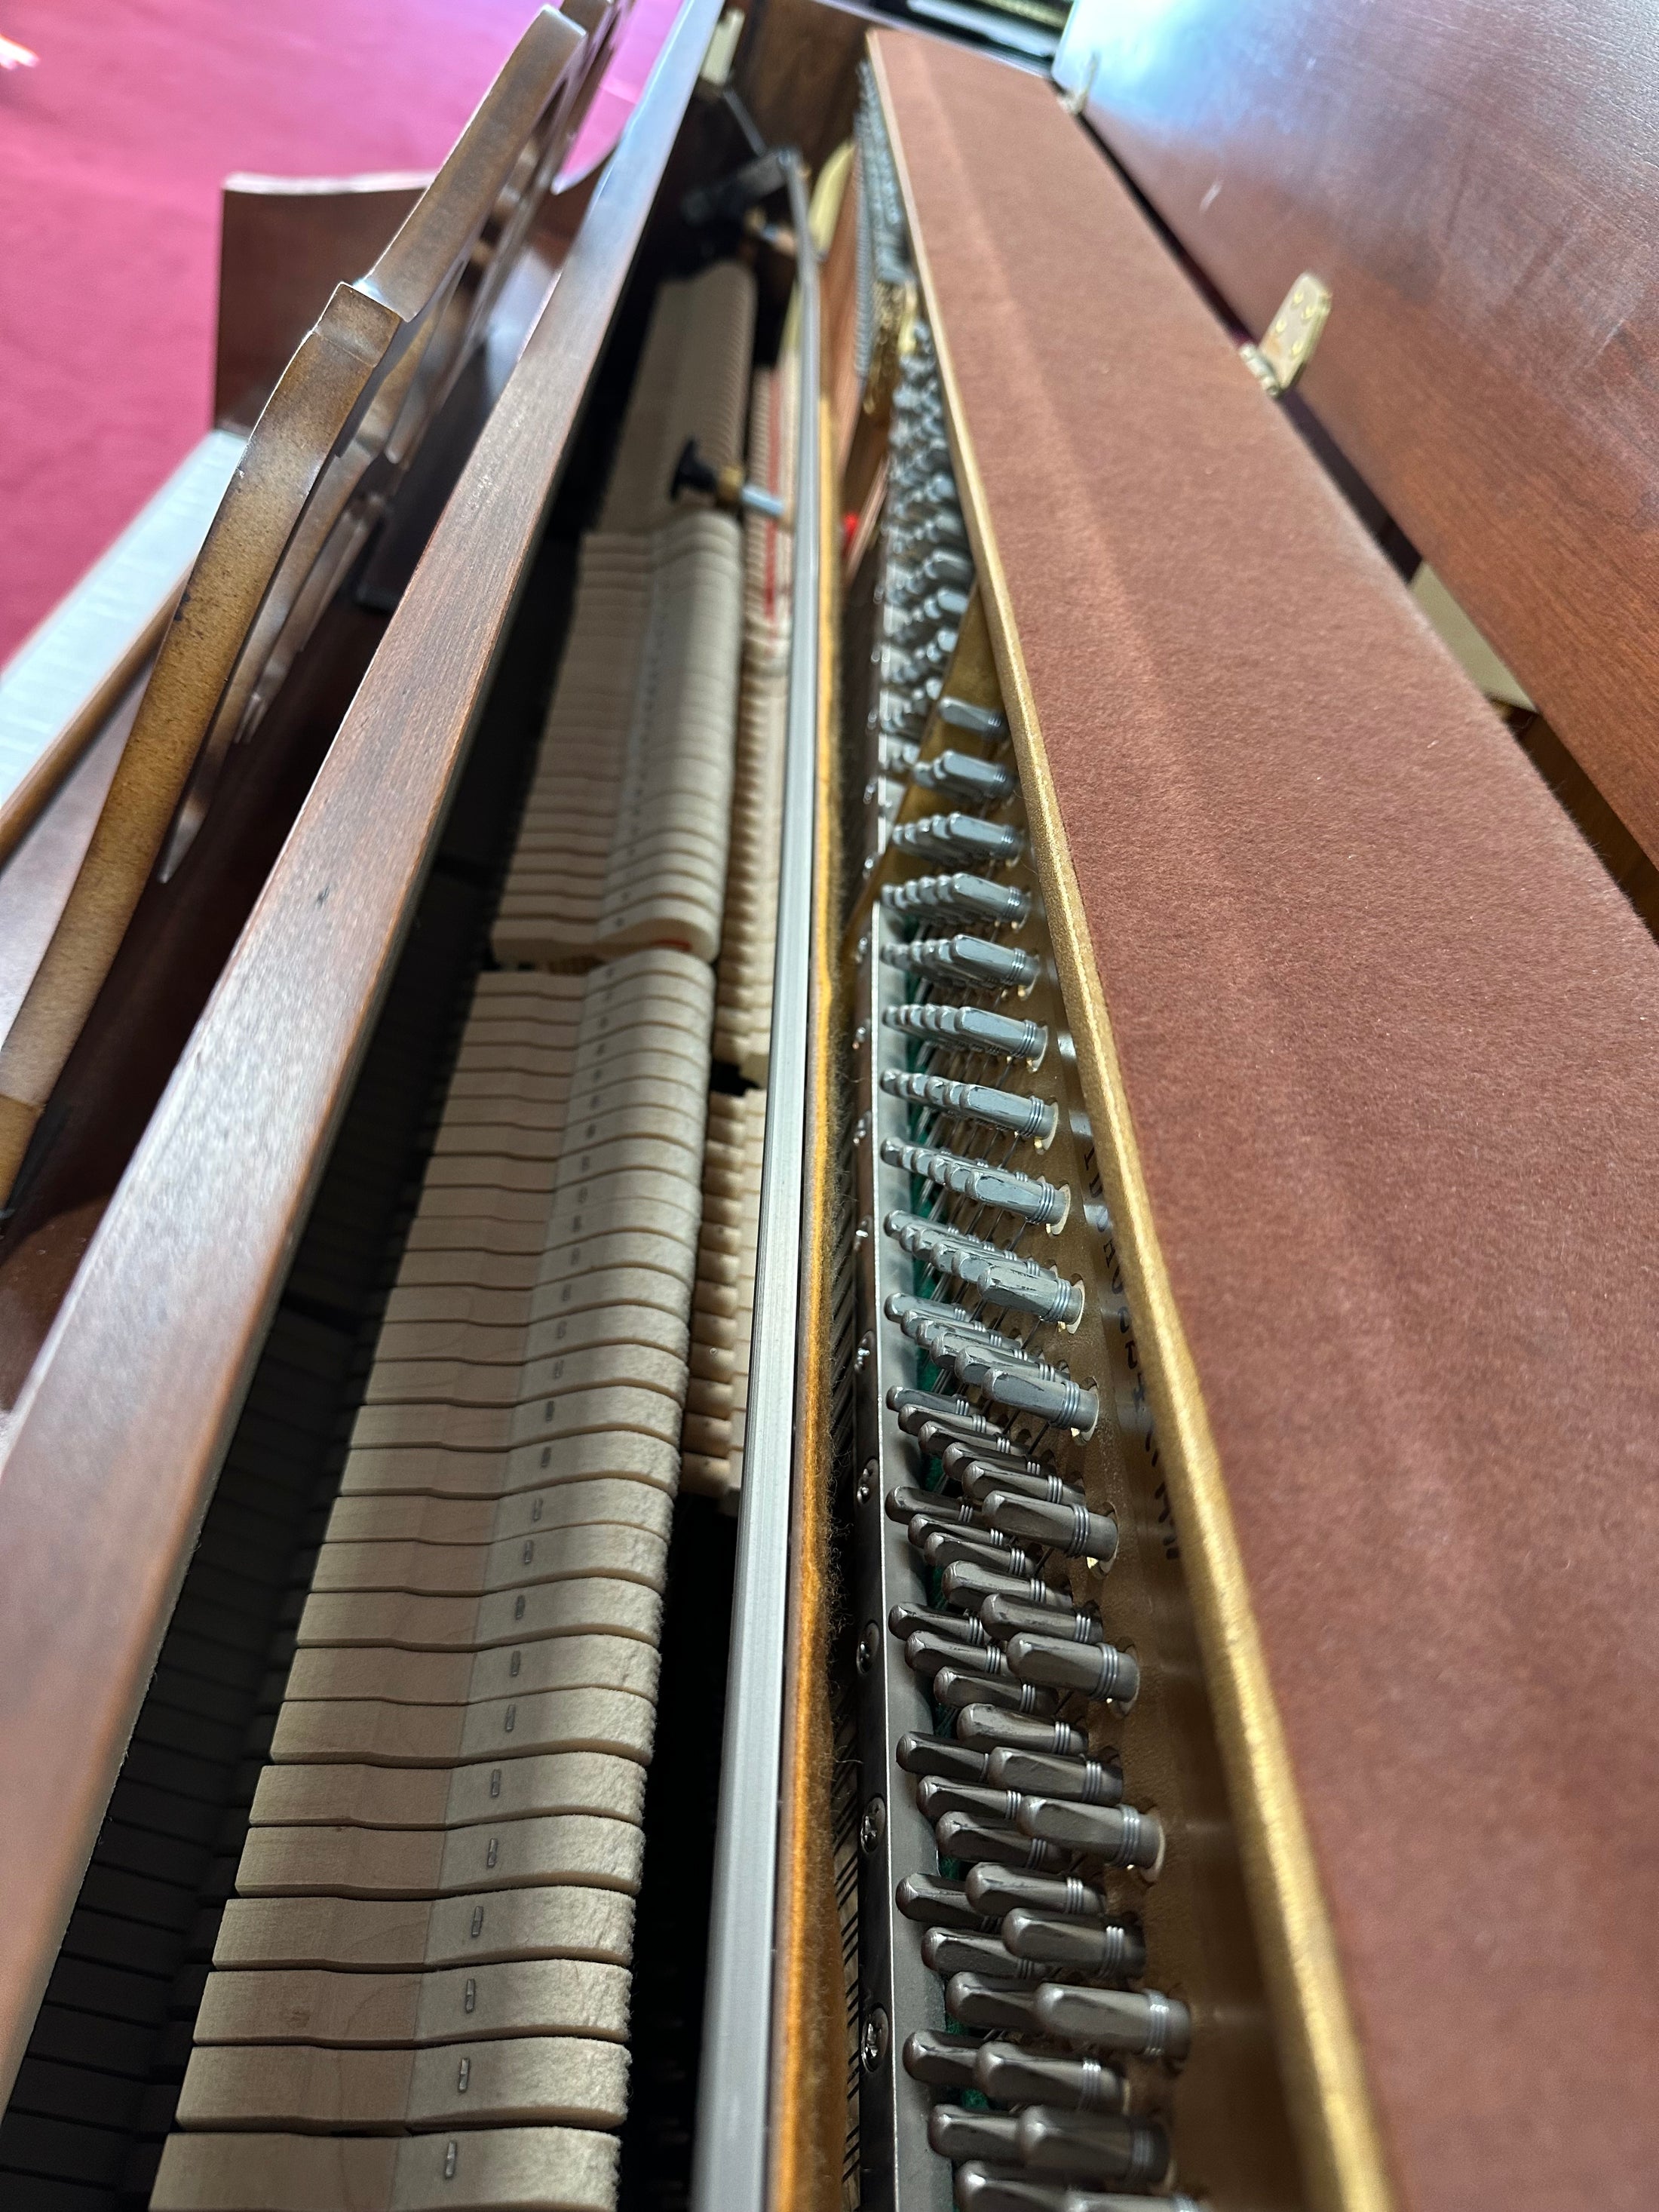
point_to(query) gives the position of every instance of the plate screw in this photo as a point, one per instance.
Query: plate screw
(874, 1825)
(869, 1647)
(866, 1483)
(872, 2044)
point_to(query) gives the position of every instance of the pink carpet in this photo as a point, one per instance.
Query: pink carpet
(113, 150)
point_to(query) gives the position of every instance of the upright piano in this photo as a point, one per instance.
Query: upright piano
(827, 1299)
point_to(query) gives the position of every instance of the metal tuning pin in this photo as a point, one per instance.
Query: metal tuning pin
(1098, 1670)
(947, 1951)
(996, 1892)
(1009, 2075)
(1038, 1773)
(981, 2188)
(978, 1477)
(1116, 1834)
(1072, 1529)
(986, 1547)
(1051, 1398)
(906, 1619)
(1002, 1617)
(938, 1755)
(978, 2003)
(1105, 2147)
(932, 1900)
(945, 2061)
(937, 1796)
(958, 897)
(971, 1582)
(1003, 1279)
(927, 1653)
(1046, 1204)
(965, 775)
(964, 838)
(960, 1836)
(974, 961)
(971, 1028)
(994, 1726)
(979, 722)
(1142, 2022)
(1032, 1120)
(904, 1503)
(913, 1406)
(957, 2132)
(953, 1687)
(1116, 1947)
(1002, 1457)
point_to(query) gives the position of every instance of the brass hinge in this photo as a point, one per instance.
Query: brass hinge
(1288, 345)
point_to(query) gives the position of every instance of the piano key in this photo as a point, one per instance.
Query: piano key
(376, 1471)
(596, 1501)
(545, 1997)
(526, 2080)
(587, 1717)
(435, 1797)
(584, 1604)
(585, 1849)
(473, 1679)
(551, 1921)
(480, 2170)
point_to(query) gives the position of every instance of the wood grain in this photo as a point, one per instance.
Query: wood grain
(116, 1440)
(1474, 180)
(284, 244)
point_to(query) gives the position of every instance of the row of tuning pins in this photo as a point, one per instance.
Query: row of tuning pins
(927, 575)
(1044, 1978)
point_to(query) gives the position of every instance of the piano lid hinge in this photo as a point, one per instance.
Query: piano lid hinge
(1288, 345)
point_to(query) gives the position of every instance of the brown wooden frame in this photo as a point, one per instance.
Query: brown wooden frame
(1474, 184)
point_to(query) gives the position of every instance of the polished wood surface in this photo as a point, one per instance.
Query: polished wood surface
(284, 244)
(113, 1448)
(1475, 183)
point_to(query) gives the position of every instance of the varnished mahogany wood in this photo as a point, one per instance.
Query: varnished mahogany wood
(284, 244)
(113, 1448)
(1474, 182)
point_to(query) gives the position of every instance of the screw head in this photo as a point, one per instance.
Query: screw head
(866, 1488)
(869, 1648)
(873, 1827)
(872, 2044)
